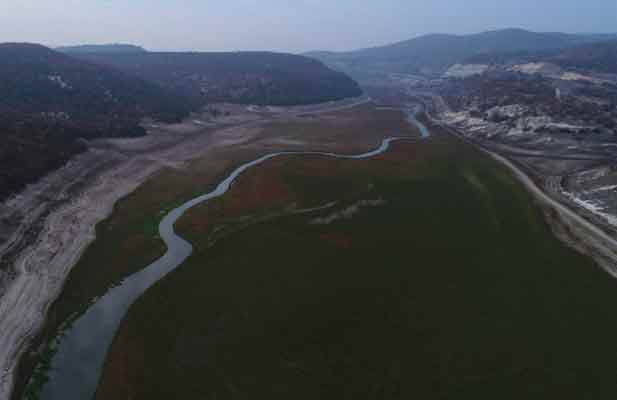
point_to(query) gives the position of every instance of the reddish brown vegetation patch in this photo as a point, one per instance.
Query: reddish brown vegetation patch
(337, 239)
(258, 189)
(127, 368)
(132, 243)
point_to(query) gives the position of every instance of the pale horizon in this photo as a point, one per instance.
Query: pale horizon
(276, 25)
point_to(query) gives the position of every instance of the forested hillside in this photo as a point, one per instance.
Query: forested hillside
(598, 57)
(49, 101)
(244, 77)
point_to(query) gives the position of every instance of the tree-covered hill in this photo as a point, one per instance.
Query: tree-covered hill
(597, 57)
(242, 77)
(50, 100)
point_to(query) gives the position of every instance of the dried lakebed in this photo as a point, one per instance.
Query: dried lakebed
(80, 351)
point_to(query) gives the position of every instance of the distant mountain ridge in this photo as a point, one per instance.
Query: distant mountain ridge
(599, 57)
(435, 53)
(102, 48)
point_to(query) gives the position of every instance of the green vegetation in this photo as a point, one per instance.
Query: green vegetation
(454, 288)
(128, 240)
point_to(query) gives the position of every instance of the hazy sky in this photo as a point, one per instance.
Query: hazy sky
(285, 25)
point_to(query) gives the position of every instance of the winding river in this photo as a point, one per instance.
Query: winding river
(81, 350)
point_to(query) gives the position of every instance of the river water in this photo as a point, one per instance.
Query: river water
(81, 350)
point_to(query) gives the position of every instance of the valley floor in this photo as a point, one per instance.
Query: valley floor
(430, 273)
(49, 226)
(427, 272)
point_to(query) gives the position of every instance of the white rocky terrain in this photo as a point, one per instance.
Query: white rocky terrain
(465, 70)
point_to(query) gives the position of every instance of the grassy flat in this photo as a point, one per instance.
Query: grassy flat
(436, 277)
(128, 240)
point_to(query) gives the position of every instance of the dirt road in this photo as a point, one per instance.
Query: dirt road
(581, 233)
(601, 242)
